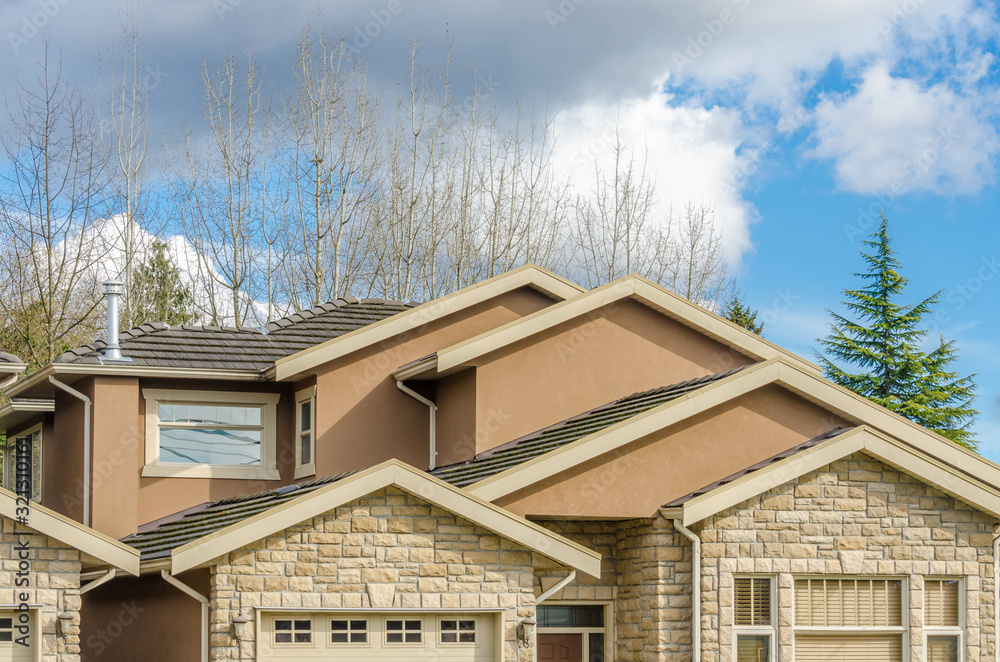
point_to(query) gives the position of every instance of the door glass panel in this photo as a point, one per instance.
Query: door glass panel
(570, 616)
(596, 650)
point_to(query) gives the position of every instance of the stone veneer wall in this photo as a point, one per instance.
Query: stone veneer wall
(853, 517)
(387, 550)
(54, 584)
(645, 574)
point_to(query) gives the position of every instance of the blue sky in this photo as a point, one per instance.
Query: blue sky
(788, 118)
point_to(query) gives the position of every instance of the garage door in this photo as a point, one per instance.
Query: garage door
(387, 637)
(10, 649)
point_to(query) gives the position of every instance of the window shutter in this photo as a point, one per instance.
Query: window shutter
(941, 602)
(848, 603)
(848, 648)
(753, 601)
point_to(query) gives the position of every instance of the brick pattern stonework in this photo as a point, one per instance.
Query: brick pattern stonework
(854, 517)
(54, 584)
(387, 550)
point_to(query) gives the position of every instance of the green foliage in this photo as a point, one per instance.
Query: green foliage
(884, 344)
(738, 312)
(158, 295)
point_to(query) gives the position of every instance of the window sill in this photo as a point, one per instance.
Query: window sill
(209, 471)
(305, 470)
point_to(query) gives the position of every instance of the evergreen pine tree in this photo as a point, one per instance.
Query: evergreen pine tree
(885, 345)
(738, 312)
(158, 295)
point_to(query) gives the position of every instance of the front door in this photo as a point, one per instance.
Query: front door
(560, 647)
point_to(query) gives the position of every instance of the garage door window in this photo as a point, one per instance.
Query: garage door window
(296, 631)
(849, 619)
(349, 631)
(458, 631)
(403, 632)
(6, 629)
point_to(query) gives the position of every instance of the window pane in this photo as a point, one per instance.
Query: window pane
(199, 446)
(166, 413)
(942, 649)
(941, 598)
(596, 644)
(569, 616)
(305, 415)
(252, 415)
(753, 601)
(753, 648)
(848, 602)
(305, 452)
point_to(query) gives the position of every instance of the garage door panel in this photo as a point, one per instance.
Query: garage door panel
(383, 636)
(10, 649)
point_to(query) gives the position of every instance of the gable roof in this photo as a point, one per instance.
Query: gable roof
(537, 444)
(781, 371)
(529, 275)
(820, 452)
(207, 533)
(630, 287)
(93, 544)
(239, 348)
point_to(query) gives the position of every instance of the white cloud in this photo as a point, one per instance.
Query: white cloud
(691, 151)
(895, 135)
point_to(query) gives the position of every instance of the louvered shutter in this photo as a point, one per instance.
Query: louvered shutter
(753, 601)
(848, 648)
(941, 602)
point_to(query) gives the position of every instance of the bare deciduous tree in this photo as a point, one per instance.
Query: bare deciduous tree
(49, 212)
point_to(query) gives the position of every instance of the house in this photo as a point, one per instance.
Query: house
(521, 470)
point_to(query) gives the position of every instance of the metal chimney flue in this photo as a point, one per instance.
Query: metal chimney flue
(113, 290)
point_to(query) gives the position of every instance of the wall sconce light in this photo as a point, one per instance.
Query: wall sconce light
(64, 622)
(240, 627)
(525, 630)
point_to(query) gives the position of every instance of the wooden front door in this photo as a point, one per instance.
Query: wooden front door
(560, 648)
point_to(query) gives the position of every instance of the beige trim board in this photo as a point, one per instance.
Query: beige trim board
(41, 377)
(634, 287)
(526, 276)
(16, 413)
(863, 439)
(407, 478)
(780, 371)
(87, 540)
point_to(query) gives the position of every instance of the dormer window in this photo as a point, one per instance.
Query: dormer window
(210, 434)
(305, 432)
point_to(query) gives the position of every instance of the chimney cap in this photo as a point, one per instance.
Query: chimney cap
(113, 287)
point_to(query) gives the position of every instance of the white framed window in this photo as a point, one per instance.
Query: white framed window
(292, 631)
(944, 620)
(404, 631)
(457, 631)
(9, 460)
(847, 618)
(753, 619)
(349, 631)
(305, 432)
(210, 434)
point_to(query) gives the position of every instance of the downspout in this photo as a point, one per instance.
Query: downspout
(432, 407)
(545, 595)
(695, 589)
(181, 586)
(86, 443)
(996, 597)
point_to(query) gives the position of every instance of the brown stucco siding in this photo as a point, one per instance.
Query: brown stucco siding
(364, 419)
(635, 480)
(62, 454)
(115, 443)
(615, 351)
(455, 396)
(143, 618)
(387, 550)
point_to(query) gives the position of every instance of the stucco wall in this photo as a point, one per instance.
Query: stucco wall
(855, 517)
(387, 550)
(53, 583)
